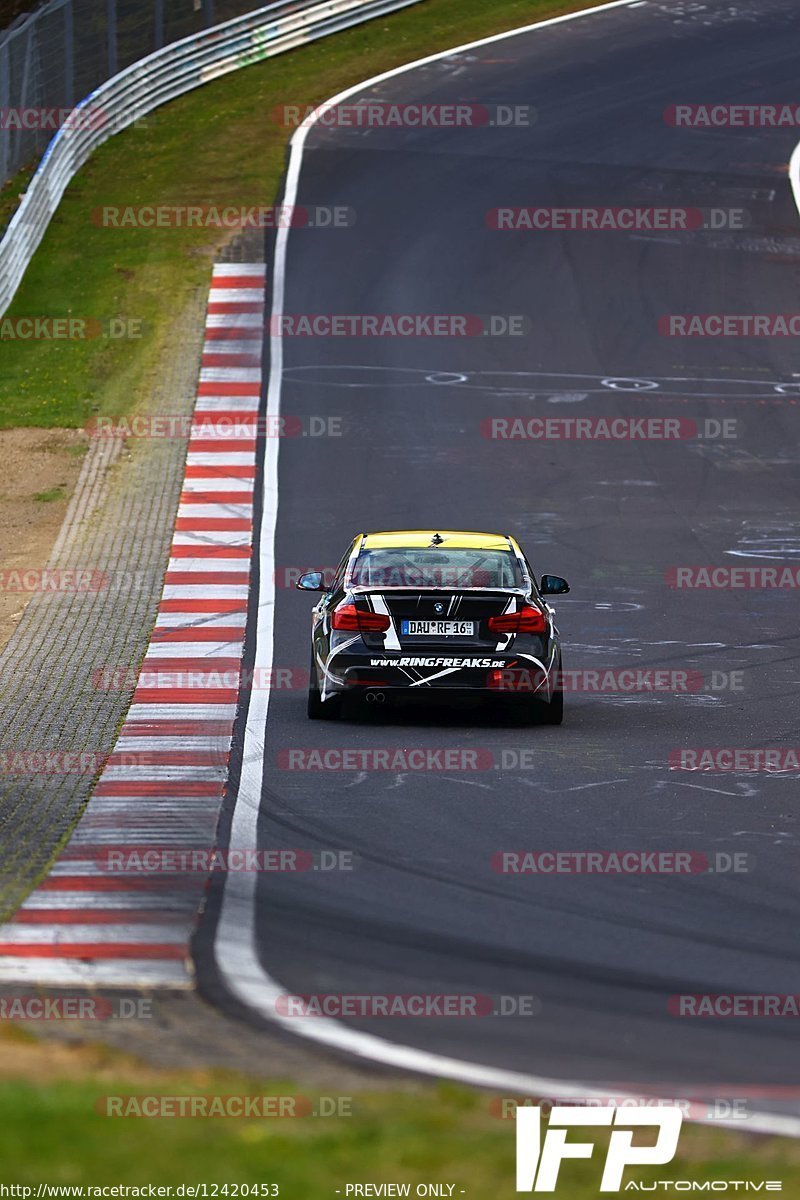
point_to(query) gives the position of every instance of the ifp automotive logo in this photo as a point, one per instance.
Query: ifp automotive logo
(539, 1160)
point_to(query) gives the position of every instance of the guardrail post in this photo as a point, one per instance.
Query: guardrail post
(208, 9)
(5, 134)
(111, 35)
(25, 86)
(158, 23)
(69, 56)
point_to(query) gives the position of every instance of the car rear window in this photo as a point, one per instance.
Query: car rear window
(435, 567)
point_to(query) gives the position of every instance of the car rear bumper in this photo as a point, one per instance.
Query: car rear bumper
(509, 677)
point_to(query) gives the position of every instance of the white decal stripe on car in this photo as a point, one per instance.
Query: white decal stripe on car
(505, 640)
(390, 639)
(438, 675)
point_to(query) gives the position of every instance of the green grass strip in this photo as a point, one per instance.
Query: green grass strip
(58, 1131)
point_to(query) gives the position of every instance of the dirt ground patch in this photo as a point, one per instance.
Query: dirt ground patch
(40, 468)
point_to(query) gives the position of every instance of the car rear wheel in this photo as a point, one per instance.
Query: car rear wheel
(551, 713)
(319, 709)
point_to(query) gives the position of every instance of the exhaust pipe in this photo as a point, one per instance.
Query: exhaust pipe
(375, 697)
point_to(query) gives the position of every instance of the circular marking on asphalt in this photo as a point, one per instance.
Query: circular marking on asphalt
(630, 385)
(446, 377)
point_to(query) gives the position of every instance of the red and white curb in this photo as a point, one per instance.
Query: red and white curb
(90, 921)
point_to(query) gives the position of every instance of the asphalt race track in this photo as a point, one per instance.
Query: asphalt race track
(424, 911)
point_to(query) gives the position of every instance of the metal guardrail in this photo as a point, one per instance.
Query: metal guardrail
(64, 49)
(153, 81)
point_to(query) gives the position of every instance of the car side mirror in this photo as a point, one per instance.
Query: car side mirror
(312, 581)
(553, 585)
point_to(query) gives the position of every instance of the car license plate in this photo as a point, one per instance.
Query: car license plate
(437, 628)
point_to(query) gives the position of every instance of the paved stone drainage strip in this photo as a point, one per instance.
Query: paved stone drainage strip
(119, 529)
(93, 920)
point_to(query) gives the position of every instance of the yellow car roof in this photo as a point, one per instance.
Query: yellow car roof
(454, 539)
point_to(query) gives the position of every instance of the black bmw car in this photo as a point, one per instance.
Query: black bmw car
(436, 616)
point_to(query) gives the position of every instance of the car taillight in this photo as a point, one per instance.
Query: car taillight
(527, 620)
(357, 620)
(516, 681)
